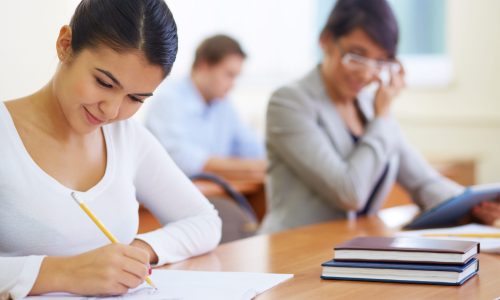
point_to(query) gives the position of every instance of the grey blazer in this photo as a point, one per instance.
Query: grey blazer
(316, 171)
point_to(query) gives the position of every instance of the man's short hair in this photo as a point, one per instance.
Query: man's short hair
(214, 49)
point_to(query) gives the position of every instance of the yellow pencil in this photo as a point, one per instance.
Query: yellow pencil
(477, 235)
(104, 230)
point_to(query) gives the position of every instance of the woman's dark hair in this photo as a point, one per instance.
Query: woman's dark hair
(144, 25)
(215, 48)
(375, 17)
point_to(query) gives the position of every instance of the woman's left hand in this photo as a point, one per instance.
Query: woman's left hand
(397, 82)
(387, 92)
(153, 257)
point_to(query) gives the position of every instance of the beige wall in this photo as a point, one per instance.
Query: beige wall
(463, 119)
(28, 32)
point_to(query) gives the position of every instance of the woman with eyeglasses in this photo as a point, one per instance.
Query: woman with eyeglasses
(331, 153)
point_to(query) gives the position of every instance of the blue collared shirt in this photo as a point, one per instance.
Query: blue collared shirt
(192, 131)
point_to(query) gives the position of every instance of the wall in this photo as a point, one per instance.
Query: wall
(28, 33)
(460, 120)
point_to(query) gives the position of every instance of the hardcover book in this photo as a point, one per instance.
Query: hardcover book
(399, 272)
(406, 249)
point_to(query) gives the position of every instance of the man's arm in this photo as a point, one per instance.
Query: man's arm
(236, 168)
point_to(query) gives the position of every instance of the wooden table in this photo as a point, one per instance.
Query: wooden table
(301, 252)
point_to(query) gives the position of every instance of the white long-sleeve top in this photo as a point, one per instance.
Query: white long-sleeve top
(38, 217)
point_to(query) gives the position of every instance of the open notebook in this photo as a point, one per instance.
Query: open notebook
(491, 245)
(191, 285)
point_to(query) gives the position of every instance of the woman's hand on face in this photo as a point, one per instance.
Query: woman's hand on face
(387, 92)
(109, 270)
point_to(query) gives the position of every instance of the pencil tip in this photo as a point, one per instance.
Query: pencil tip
(150, 282)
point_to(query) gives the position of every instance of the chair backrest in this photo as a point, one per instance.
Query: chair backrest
(236, 224)
(238, 217)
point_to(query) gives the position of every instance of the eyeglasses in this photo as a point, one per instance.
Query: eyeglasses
(356, 62)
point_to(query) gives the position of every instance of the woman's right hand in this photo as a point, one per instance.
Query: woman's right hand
(487, 213)
(109, 270)
(387, 92)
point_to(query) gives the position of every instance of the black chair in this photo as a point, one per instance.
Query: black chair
(238, 217)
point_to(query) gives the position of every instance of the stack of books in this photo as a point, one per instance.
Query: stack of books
(403, 259)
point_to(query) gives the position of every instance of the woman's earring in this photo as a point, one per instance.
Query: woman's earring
(61, 56)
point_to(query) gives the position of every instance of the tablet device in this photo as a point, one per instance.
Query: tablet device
(449, 212)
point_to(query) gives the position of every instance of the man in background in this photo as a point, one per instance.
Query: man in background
(196, 123)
